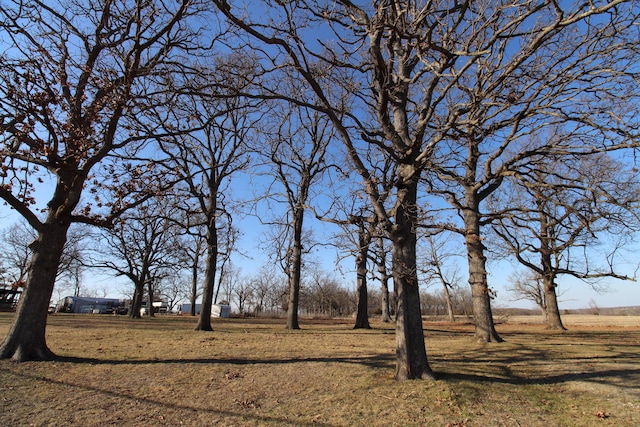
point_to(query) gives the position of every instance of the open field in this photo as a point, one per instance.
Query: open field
(249, 372)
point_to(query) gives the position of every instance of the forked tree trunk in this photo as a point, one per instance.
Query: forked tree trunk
(362, 313)
(26, 339)
(411, 355)
(553, 319)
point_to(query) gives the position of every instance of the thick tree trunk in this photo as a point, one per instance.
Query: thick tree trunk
(136, 303)
(204, 321)
(292, 306)
(411, 355)
(551, 301)
(362, 313)
(485, 329)
(26, 339)
(295, 271)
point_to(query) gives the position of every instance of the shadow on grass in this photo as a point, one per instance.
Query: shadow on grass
(380, 361)
(631, 375)
(469, 369)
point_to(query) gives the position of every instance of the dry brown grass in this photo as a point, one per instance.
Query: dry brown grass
(256, 373)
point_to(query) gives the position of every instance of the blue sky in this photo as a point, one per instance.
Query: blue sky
(574, 293)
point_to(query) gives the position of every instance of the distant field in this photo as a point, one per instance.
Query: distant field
(248, 372)
(583, 320)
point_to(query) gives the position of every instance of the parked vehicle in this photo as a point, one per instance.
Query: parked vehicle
(91, 305)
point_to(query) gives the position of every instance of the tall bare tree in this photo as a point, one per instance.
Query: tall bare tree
(77, 79)
(208, 160)
(298, 154)
(192, 250)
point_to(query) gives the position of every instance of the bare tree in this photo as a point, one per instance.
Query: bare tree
(77, 80)
(562, 208)
(264, 286)
(529, 287)
(192, 250)
(298, 155)
(323, 295)
(143, 247)
(243, 292)
(173, 288)
(208, 160)
(381, 259)
(15, 251)
(435, 268)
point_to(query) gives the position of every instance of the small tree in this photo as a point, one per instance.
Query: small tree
(529, 287)
(142, 246)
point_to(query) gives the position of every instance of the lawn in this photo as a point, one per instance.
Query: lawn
(254, 372)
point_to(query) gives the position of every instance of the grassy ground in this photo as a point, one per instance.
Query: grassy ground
(157, 372)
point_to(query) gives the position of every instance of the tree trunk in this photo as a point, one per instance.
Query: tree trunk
(553, 312)
(204, 321)
(485, 329)
(384, 280)
(26, 338)
(447, 297)
(295, 270)
(411, 355)
(150, 293)
(136, 303)
(194, 288)
(362, 313)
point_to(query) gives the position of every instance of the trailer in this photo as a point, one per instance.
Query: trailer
(186, 308)
(71, 304)
(217, 310)
(9, 297)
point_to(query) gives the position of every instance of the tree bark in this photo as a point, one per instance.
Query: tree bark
(447, 296)
(484, 327)
(553, 319)
(411, 355)
(384, 280)
(194, 288)
(362, 313)
(295, 269)
(136, 303)
(26, 339)
(204, 321)
(151, 296)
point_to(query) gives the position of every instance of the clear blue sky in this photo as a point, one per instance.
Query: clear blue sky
(573, 292)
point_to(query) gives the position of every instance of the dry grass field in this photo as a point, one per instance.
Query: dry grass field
(252, 372)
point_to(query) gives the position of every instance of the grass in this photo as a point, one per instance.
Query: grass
(248, 372)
